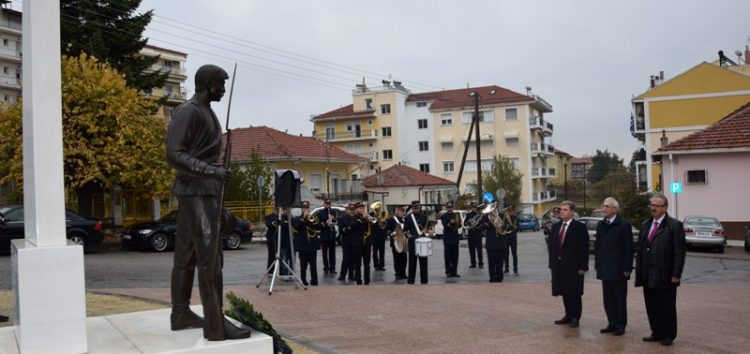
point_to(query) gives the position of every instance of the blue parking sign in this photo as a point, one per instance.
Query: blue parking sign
(676, 187)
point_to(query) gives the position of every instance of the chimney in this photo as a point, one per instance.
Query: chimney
(652, 81)
(664, 139)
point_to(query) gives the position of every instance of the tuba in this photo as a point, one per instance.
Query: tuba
(504, 224)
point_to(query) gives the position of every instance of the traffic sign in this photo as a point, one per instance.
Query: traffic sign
(676, 187)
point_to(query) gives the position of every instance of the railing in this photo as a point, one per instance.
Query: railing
(537, 122)
(542, 148)
(173, 70)
(10, 81)
(348, 135)
(544, 196)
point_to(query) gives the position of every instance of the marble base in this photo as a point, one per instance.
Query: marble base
(148, 332)
(49, 297)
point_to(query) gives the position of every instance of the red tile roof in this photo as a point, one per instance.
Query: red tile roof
(582, 160)
(346, 111)
(273, 144)
(405, 176)
(558, 151)
(733, 131)
(461, 98)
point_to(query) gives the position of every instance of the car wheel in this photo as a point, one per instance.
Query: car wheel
(159, 242)
(747, 246)
(78, 239)
(232, 241)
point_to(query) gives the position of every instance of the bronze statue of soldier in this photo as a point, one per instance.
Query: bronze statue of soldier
(194, 149)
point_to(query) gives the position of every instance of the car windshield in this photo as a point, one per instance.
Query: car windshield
(171, 216)
(526, 217)
(700, 221)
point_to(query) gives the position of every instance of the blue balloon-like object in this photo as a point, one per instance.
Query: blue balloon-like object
(487, 196)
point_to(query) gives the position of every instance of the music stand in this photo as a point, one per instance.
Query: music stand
(287, 181)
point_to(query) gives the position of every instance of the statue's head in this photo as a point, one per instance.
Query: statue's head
(210, 79)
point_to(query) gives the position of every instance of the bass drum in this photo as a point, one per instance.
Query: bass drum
(423, 247)
(399, 240)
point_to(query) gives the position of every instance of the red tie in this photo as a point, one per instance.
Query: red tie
(653, 232)
(562, 237)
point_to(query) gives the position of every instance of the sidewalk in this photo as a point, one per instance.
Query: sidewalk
(485, 318)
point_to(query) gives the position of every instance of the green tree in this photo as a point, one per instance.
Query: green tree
(503, 174)
(110, 137)
(618, 184)
(243, 185)
(111, 31)
(601, 164)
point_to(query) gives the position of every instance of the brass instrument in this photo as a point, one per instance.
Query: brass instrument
(473, 223)
(504, 224)
(312, 225)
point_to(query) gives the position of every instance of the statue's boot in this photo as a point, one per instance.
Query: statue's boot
(182, 285)
(230, 332)
(185, 319)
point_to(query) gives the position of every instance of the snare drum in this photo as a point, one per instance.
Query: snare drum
(423, 247)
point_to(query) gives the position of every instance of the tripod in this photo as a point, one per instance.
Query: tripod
(276, 265)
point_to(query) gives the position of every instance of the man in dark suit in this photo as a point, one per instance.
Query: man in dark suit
(613, 263)
(306, 243)
(416, 223)
(345, 230)
(399, 259)
(496, 246)
(658, 268)
(568, 262)
(451, 222)
(328, 237)
(2, 224)
(475, 236)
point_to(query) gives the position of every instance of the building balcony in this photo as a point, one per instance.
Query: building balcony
(540, 124)
(543, 197)
(543, 172)
(11, 55)
(11, 83)
(542, 149)
(338, 137)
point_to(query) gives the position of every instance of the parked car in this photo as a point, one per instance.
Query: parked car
(85, 232)
(704, 231)
(439, 228)
(528, 221)
(159, 235)
(339, 210)
(747, 238)
(591, 223)
(597, 213)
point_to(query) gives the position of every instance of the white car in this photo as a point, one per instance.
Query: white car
(439, 224)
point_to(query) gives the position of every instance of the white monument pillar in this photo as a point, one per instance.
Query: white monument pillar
(48, 279)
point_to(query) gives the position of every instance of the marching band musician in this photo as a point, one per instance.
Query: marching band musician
(511, 239)
(354, 242)
(272, 224)
(306, 243)
(328, 237)
(399, 259)
(378, 241)
(345, 228)
(368, 228)
(451, 222)
(475, 236)
(416, 224)
(496, 246)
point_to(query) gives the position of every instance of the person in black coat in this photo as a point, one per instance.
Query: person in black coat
(658, 269)
(399, 259)
(328, 237)
(613, 250)
(378, 241)
(568, 248)
(451, 222)
(511, 239)
(417, 224)
(306, 242)
(345, 229)
(475, 235)
(2, 224)
(496, 246)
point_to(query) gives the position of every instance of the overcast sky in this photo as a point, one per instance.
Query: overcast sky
(586, 58)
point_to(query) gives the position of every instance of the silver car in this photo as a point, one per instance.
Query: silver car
(704, 231)
(591, 223)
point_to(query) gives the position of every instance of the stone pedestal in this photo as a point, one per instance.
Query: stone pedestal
(50, 298)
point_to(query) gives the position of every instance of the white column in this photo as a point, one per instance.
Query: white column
(48, 279)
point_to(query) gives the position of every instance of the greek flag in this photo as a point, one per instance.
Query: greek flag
(632, 125)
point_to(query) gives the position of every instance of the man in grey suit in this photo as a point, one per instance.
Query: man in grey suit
(193, 149)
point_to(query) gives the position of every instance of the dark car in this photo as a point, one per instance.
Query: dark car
(158, 235)
(747, 238)
(85, 232)
(528, 222)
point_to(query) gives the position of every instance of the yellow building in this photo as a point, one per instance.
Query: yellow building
(688, 103)
(172, 62)
(427, 131)
(561, 164)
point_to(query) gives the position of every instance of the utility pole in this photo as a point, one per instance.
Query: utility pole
(328, 172)
(566, 180)
(475, 128)
(584, 186)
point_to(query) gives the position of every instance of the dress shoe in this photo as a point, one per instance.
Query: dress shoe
(456, 275)
(667, 342)
(506, 270)
(563, 321)
(574, 323)
(185, 319)
(341, 279)
(333, 272)
(4, 318)
(618, 331)
(231, 332)
(651, 338)
(472, 266)
(609, 329)
(481, 266)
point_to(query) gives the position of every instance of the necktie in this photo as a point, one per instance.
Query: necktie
(653, 232)
(562, 237)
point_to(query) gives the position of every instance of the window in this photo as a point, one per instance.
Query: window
(696, 177)
(368, 103)
(424, 146)
(446, 145)
(5, 69)
(471, 165)
(446, 119)
(422, 104)
(5, 42)
(424, 167)
(447, 166)
(516, 162)
(484, 116)
(349, 127)
(330, 132)
(385, 108)
(388, 154)
(422, 123)
(386, 131)
(511, 141)
(511, 114)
